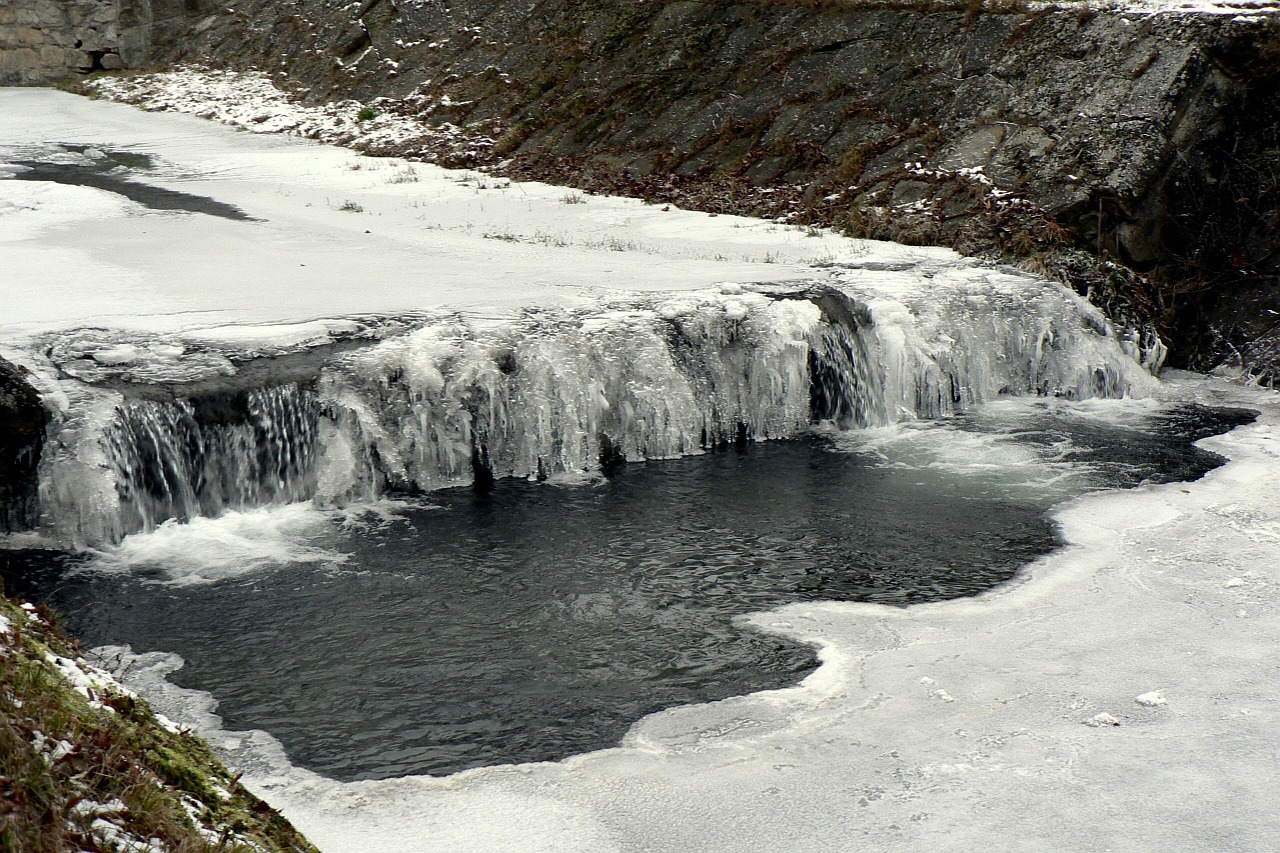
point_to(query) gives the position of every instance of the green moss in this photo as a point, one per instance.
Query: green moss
(67, 760)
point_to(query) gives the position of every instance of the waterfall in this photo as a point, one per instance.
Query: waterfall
(202, 456)
(563, 393)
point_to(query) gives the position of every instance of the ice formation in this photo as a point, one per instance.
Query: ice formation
(565, 392)
(864, 752)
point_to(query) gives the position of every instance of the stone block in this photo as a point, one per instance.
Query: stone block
(22, 57)
(112, 62)
(133, 47)
(974, 148)
(89, 41)
(53, 57)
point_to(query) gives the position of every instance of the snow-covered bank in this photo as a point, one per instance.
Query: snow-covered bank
(331, 233)
(1119, 696)
(535, 326)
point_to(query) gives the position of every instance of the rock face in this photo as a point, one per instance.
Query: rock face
(22, 423)
(1146, 140)
(43, 41)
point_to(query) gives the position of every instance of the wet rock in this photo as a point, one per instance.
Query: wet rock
(22, 424)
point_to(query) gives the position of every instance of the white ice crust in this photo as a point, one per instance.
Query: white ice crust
(76, 256)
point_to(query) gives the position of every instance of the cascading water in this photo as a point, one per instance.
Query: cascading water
(205, 455)
(527, 623)
(563, 393)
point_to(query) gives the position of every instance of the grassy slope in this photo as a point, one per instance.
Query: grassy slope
(85, 766)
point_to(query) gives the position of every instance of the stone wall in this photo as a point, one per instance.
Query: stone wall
(44, 41)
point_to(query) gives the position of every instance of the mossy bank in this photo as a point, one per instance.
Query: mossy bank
(86, 765)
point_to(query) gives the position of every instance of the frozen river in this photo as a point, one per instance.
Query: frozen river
(1118, 694)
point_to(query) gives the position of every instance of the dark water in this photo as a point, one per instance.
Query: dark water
(112, 170)
(533, 621)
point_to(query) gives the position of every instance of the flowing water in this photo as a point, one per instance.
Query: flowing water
(521, 621)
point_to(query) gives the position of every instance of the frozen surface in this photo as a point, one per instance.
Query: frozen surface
(410, 237)
(1120, 696)
(147, 250)
(1241, 8)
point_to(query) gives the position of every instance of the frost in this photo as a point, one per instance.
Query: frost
(51, 750)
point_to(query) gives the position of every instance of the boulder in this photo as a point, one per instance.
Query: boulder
(22, 425)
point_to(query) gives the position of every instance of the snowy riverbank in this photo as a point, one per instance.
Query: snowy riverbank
(984, 723)
(1117, 696)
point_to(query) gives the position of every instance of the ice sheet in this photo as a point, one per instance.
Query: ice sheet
(333, 233)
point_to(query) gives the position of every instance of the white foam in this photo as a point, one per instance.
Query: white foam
(205, 550)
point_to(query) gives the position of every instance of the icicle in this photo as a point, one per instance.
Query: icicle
(557, 392)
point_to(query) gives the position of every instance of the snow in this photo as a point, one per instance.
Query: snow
(1248, 10)
(1154, 699)
(52, 751)
(444, 239)
(86, 679)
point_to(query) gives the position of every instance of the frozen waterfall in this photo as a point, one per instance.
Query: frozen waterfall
(563, 393)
